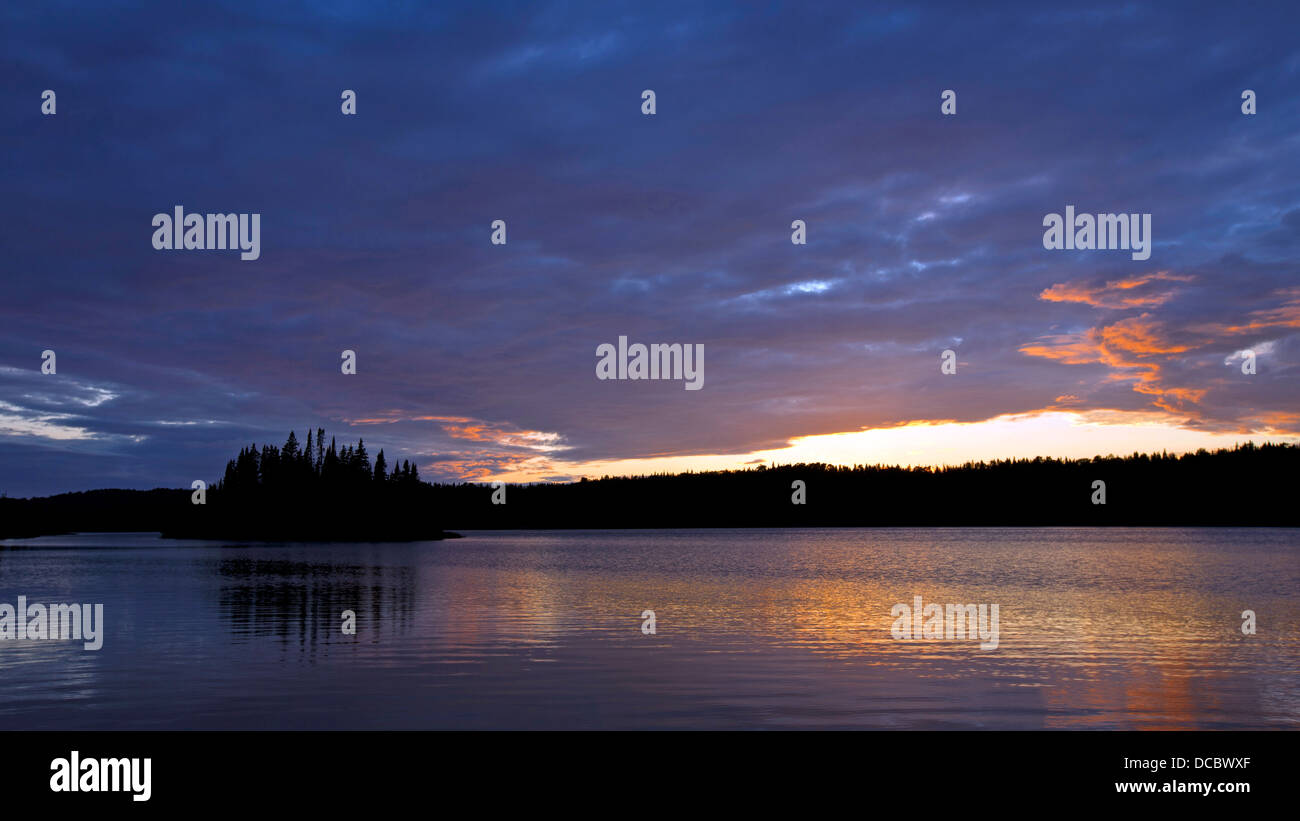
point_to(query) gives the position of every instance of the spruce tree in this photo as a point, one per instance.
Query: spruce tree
(361, 461)
(290, 451)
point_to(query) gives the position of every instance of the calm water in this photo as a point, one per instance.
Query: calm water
(1125, 628)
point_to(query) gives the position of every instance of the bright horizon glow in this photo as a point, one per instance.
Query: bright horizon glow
(1060, 434)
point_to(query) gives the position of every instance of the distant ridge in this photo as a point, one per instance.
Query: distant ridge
(280, 494)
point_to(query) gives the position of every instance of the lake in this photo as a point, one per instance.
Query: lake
(1125, 628)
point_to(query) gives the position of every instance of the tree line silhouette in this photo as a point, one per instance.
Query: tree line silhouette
(1249, 485)
(315, 492)
(310, 493)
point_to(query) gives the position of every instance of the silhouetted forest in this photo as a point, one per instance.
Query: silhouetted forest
(316, 492)
(313, 492)
(299, 492)
(1245, 486)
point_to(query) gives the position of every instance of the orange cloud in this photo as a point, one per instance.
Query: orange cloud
(1116, 293)
(486, 432)
(1132, 347)
(1276, 422)
(1140, 335)
(1072, 349)
(1285, 316)
(472, 467)
(1135, 347)
(477, 430)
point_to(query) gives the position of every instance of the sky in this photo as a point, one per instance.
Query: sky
(478, 361)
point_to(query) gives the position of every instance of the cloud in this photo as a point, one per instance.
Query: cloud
(1132, 292)
(476, 360)
(1160, 358)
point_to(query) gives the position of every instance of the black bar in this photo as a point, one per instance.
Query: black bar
(468, 773)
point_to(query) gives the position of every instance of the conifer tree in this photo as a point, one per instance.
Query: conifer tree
(361, 461)
(290, 451)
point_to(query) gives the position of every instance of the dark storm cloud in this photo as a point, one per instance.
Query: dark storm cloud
(924, 231)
